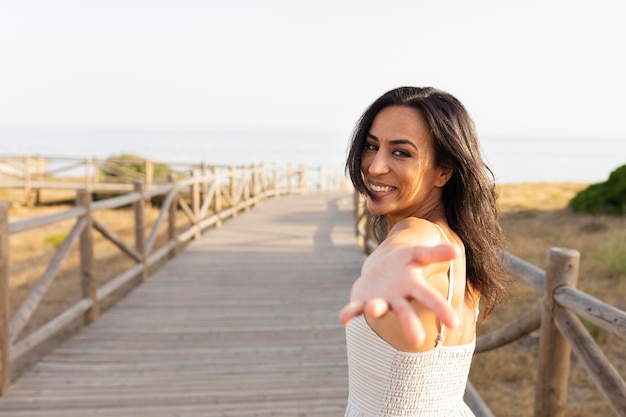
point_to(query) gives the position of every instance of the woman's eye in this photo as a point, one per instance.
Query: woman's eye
(370, 147)
(401, 153)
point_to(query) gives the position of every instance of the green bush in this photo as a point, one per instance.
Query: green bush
(607, 197)
(131, 166)
(127, 168)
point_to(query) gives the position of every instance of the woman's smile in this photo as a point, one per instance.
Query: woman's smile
(380, 189)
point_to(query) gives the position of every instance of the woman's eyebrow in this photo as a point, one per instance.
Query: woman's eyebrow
(395, 141)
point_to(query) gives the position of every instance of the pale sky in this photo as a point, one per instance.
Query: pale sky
(524, 69)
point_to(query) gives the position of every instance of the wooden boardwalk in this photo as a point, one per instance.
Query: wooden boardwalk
(243, 322)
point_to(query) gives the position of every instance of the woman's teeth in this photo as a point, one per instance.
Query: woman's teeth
(380, 189)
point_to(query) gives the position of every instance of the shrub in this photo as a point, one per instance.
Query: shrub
(131, 167)
(127, 168)
(607, 197)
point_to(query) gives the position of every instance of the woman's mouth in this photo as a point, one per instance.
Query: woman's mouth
(381, 188)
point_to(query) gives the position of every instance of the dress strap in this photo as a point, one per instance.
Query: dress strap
(441, 337)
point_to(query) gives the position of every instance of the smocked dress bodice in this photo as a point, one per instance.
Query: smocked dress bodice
(386, 382)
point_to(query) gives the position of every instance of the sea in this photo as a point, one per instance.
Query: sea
(512, 159)
(181, 146)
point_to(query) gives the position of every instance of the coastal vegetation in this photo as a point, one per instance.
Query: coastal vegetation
(129, 165)
(605, 197)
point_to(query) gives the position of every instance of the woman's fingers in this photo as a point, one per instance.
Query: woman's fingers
(436, 303)
(427, 295)
(424, 255)
(350, 311)
(410, 323)
(376, 307)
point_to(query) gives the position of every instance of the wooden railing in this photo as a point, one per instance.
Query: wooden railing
(33, 174)
(561, 331)
(206, 199)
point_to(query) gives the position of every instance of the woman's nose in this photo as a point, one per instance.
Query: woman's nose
(379, 164)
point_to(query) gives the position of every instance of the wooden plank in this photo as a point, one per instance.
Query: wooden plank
(48, 330)
(4, 297)
(27, 309)
(515, 330)
(116, 240)
(599, 368)
(596, 311)
(242, 322)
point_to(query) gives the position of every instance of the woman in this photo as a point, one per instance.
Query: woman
(411, 320)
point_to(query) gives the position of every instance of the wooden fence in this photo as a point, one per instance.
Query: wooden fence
(205, 197)
(561, 331)
(35, 174)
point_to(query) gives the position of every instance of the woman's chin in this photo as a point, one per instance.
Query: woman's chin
(374, 208)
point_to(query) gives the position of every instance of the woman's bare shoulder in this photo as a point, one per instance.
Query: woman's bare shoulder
(414, 231)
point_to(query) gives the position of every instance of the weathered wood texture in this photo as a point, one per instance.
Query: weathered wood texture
(553, 359)
(243, 322)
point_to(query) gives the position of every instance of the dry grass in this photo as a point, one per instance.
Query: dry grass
(534, 218)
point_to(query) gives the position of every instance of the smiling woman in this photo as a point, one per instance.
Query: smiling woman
(415, 157)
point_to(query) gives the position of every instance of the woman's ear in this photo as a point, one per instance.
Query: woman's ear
(444, 175)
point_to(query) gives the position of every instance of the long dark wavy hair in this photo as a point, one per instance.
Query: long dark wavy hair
(469, 196)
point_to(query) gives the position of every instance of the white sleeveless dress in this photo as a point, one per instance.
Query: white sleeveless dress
(386, 382)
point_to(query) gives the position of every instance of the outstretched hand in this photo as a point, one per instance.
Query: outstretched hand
(390, 279)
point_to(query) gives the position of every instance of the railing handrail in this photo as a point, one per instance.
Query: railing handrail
(561, 300)
(206, 200)
(33, 173)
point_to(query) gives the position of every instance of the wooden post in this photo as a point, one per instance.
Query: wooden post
(553, 362)
(96, 170)
(289, 179)
(359, 204)
(369, 231)
(264, 186)
(258, 179)
(204, 168)
(27, 184)
(195, 202)
(254, 181)
(140, 228)
(171, 225)
(246, 185)
(5, 359)
(88, 280)
(88, 174)
(276, 181)
(149, 178)
(233, 189)
(320, 179)
(39, 176)
(303, 179)
(217, 183)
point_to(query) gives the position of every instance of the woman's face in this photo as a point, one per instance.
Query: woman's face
(398, 166)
